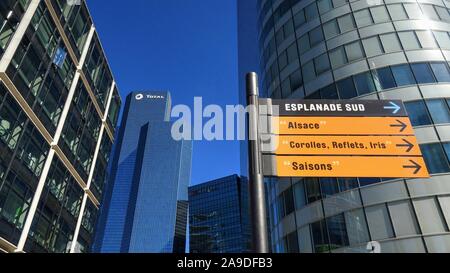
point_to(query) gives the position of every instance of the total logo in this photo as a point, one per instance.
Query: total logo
(150, 97)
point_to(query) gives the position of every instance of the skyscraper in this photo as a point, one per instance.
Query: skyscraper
(145, 206)
(219, 216)
(368, 49)
(58, 110)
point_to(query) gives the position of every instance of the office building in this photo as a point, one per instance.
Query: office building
(145, 205)
(382, 49)
(58, 110)
(219, 216)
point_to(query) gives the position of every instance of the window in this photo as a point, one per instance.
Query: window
(380, 14)
(329, 92)
(356, 225)
(324, 6)
(429, 12)
(346, 23)
(299, 193)
(363, 18)
(299, 18)
(329, 186)
(282, 60)
(409, 40)
(379, 222)
(397, 12)
(443, 13)
(447, 150)
(403, 75)
(337, 57)
(442, 39)
(337, 231)
(384, 78)
(429, 215)
(289, 201)
(320, 237)
(441, 72)
(426, 39)
(390, 42)
(330, 29)
(413, 11)
(435, 158)
(296, 80)
(322, 64)
(347, 89)
(403, 218)
(316, 36)
(354, 51)
(439, 111)
(292, 242)
(311, 12)
(422, 72)
(364, 83)
(292, 54)
(312, 190)
(305, 240)
(372, 46)
(418, 113)
(308, 72)
(303, 44)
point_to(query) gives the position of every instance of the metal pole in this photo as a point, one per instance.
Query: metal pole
(256, 179)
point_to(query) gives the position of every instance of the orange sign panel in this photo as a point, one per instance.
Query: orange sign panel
(347, 145)
(351, 166)
(342, 126)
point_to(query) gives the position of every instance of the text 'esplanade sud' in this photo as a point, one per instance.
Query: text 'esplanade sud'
(324, 107)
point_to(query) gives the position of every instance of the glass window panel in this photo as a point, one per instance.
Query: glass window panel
(346, 23)
(379, 222)
(413, 11)
(390, 42)
(330, 29)
(403, 75)
(320, 237)
(443, 13)
(346, 89)
(311, 12)
(363, 18)
(447, 151)
(315, 36)
(426, 39)
(305, 241)
(372, 46)
(292, 242)
(439, 111)
(329, 92)
(337, 57)
(324, 6)
(356, 227)
(338, 3)
(443, 39)
(422, 72)
(380, 14)
(322, 64)
(418, 113)
(299, 193)
(283, 60)
(312, 190)
(409, 40)
(296, 80)
(384, 79)
(397, 12)
(299, 18)
(292, 54)
(435, 158)
(429, 216)
(429, 12)
(445, 202)
(308, 72)
(364, 83)
(403, 218)
(441, 72)
(329, 186)
(338, 231)
(303, 44)
(289, 201)
(354, 51)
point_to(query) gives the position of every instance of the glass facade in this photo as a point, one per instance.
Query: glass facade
(145, 203)
(46, 141)
(219, 216)
(332, 49)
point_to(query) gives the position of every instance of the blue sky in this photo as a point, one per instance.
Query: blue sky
(188, 47)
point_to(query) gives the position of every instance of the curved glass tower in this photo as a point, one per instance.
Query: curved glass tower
(369, 49)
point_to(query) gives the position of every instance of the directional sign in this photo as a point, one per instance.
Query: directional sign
(359, 108)
(351, 166)
(347, 145)
(342, 126)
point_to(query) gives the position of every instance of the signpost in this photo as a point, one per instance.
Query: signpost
(327, 138)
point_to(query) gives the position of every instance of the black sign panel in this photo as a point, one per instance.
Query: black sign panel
(341, 108)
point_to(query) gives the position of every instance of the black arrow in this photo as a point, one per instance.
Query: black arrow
(400, 124)
(408, 144)
(415, 166)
